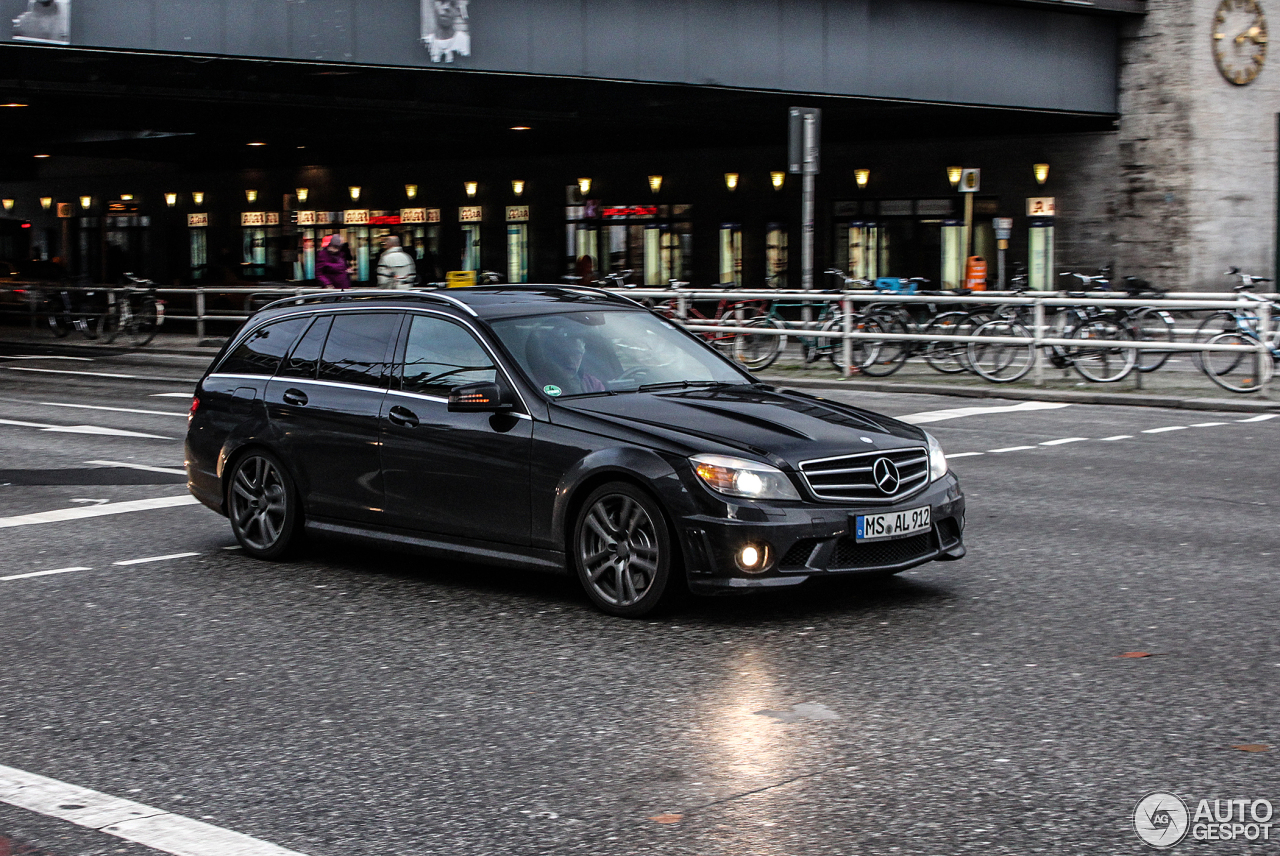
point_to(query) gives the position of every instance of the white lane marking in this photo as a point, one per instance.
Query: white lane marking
(1064, 441)
(1010, 449)
(172, 395)
(126, 819)
(42, 357)
(174, 471)
(960, 412)
(1163, 430)
(44, 573)
(61, 514)
(66, 371)
(1263, 418)
(156, 559)
(114, 409)
(964, 455)
(1208, 424)
(1117, 437)
(82, 429)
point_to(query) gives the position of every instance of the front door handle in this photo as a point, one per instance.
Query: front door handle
(403, 416)
(295, 396)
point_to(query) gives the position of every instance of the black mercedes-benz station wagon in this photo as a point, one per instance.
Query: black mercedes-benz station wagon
(559, 428)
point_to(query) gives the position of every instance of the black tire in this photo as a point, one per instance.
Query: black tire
(145, 323)
(756, 351)
(943, 354)
(59, 324)
(1152, 325)
(109, 326)
(1094, 358)
(882, 358)
(262, 505)
(622, 551)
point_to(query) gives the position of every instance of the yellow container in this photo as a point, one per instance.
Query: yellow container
(460, 278)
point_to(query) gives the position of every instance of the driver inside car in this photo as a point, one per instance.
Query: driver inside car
(557, 355)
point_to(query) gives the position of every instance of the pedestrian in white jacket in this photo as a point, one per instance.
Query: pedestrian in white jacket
(396, 268)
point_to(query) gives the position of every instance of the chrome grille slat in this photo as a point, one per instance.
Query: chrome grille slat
(913, 471)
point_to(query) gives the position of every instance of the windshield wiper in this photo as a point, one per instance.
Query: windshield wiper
(587, 394)
(683, 384)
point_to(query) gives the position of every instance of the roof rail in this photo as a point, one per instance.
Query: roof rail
(367, 294)
(601, 291)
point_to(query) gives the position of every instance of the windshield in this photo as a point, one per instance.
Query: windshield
(598, 352)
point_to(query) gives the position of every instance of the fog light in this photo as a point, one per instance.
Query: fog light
(753, 558)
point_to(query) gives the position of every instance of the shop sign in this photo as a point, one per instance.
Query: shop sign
(1041, 206)
(356, 217)
(413, 215)
(273, 218)
(122, 208)
(306, 218)
(253, 218)
(66, 210)
(470, 214)
(197, 221)
(630, 211)
(385, 220)
(970, 180)
(517, 213)
(433, 215)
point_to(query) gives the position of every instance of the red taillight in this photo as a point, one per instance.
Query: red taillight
(195, 405)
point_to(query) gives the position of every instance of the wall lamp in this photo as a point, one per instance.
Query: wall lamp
(861, 177)
(778, 177)
(1041, 172)
(731, 180)
(303, 193)
(251, 195)
(8, 204)
(953, 175)
(517, 187)
(197, 196)
(655, 183)
(411, 191)
(354, 190)
(584, 186)
(85, 202)
(171, 199)
(46, 202)
(471, 187)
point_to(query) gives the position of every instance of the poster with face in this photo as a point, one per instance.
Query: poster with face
(45, 21)
(446, 29)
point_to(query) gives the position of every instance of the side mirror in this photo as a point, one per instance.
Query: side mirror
(484, 397)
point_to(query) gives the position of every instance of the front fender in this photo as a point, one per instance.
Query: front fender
(628, 463)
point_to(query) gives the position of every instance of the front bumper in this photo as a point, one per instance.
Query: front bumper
(807, 540)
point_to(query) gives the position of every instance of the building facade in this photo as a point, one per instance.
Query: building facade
(217, 140)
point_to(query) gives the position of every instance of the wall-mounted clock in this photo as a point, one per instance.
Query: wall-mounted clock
(1239, 40)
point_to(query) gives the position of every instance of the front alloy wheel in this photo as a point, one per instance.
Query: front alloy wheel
(262, 506)
(622, 550)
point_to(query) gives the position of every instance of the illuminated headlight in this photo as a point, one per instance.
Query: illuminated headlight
(937, 460)
(739, 477)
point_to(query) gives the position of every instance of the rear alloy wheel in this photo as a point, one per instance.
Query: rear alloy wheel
(622, 550)
(263, 506)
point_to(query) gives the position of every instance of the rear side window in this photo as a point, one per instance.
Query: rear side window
(356, 349)
(439, 355)
(305, 359)
(261, 352)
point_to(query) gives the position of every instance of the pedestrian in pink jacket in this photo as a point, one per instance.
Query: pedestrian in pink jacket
(331, 265)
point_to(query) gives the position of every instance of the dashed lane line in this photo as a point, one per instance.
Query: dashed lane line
(1208, 424)
(171, 395)
(69, 371)
(173, 471)
(150, 559)
(115, 409)
(46, 357)
(961, 412)
(1064, 441)
(964, 455)
(43, 573)
(62, 514)
(1165, 429)
(82, 429)
(126, 819)
(1009, 449)
(1116, 437)
(1262, 418)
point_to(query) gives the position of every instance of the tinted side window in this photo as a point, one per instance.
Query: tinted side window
(356, 349)
(440, 355)
(260, 354)
(306, 356)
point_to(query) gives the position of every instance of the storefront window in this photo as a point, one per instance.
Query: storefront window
(730, 253)
(199, 243)
(775, 256)
(953, 258)
(1040, 245)
(471, 246)
(517, 252)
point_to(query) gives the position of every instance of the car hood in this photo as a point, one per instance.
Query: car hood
(790, 425)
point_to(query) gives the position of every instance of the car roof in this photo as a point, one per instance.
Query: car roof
(484, 301)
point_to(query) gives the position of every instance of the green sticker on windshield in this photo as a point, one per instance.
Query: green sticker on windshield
(551, 389)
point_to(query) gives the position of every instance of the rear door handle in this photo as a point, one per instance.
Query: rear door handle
(295, 396)
(403, 416)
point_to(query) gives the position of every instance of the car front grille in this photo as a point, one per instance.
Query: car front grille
(850, 554)
(798, 555)
(850, 478)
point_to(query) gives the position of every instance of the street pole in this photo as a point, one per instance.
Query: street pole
(802, 154)
(806, 241)
(968, 233)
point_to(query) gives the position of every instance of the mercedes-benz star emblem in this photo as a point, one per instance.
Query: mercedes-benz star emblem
(885, 472)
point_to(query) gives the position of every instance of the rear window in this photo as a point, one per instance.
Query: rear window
(261, 352)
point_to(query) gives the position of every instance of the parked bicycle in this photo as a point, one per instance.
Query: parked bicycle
(69, 308)
(133, 311)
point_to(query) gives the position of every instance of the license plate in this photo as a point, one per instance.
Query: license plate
(895, 524)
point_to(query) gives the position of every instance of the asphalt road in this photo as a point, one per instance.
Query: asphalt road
(358, 701)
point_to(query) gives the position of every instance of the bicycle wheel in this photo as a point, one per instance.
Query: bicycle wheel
(756, 351)
(59, 324)
(108, 325)
(861, 351)
(942, 353)
(145, 323)
(1236, 371)
(889, 354)
(1152, 325)
(1215, 323)
(1001, 362)
(1097, 358)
